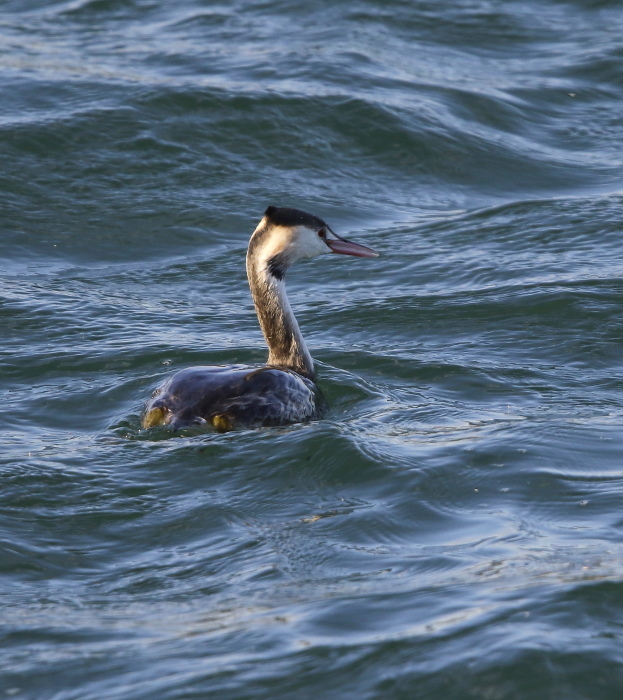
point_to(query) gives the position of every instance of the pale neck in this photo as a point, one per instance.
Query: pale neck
(281, 331)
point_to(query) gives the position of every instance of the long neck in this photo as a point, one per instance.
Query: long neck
(283, 336)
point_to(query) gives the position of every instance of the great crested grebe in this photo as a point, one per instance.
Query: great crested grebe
(283, 391)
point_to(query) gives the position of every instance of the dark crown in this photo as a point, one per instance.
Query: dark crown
(286, 216)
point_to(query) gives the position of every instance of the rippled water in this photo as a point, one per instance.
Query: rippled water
(452, 528)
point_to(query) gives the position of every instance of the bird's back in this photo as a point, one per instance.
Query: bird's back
(232, 397)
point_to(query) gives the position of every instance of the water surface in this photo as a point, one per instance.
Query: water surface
(452, 528)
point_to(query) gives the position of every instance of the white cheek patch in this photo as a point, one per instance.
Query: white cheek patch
(309, 244)
(293, 242)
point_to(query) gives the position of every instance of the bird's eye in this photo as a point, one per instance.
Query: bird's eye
(322, 233)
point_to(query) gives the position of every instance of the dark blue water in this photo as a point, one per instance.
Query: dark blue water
(452, 528)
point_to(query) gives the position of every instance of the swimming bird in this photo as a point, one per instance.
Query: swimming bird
(283, 391)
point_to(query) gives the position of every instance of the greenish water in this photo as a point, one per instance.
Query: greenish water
(452, 528)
